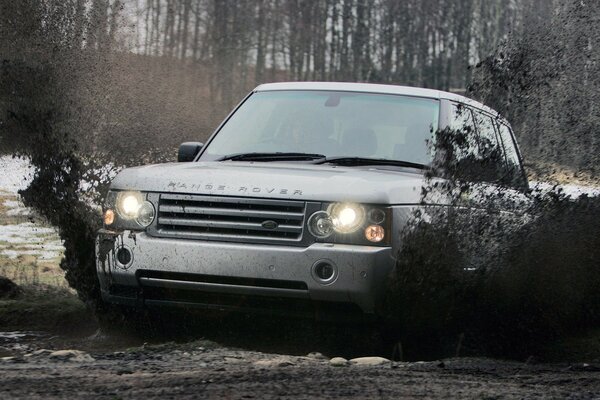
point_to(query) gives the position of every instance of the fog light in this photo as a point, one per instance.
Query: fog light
(124, 256)
(109, 217)
(375, 233)
(324, 272)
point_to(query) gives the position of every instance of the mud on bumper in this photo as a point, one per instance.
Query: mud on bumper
(239, 277)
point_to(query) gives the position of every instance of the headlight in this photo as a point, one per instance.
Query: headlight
(129, 204)
(128, 210)
(351, 223)
(145, 214)
(346, 217)
(320, 224)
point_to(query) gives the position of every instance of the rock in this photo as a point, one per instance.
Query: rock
(315, 355)
(8, 289)
(11, 360)
(338, 362)
(368, 361)
(71, 355)
(275, 362)
(39, 353)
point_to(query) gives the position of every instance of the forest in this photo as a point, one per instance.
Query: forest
(169, 70)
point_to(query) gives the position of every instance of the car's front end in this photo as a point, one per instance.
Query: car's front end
(266, 243)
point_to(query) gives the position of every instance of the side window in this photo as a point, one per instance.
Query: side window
(515, 175)
(463, 136)
(472, 146)
(493, 164)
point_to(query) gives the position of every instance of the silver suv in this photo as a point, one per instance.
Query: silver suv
(296, 203)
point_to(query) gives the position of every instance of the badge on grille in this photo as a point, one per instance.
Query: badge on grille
(269, 224)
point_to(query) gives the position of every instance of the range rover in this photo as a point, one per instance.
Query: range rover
(296, 203)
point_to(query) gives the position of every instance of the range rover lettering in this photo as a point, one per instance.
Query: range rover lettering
(296, 203)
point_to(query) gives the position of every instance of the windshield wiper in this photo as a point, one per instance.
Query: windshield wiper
(357, 161)
(272, 157)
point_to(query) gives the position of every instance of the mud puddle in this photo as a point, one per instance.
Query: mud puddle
(20, 343)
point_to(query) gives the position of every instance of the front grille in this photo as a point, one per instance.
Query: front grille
(230, 218)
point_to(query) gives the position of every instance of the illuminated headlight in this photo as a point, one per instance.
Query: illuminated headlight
(131, 210)
(351, 223)
(129, 204)
(346, 217)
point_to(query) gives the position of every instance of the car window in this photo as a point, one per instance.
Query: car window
(477, 152)
(464, 144)
(331, 123)
(515, 176)
(493, 163)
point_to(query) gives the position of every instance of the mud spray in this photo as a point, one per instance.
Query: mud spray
(504, 285)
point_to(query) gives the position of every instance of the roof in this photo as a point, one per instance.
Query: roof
(373, 88)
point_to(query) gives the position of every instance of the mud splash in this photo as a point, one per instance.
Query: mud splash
(499, 270)
(522, 282)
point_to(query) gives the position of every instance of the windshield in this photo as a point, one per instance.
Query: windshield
(334, 124)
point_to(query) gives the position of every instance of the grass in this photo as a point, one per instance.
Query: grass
(5, 218)
(46, 302)
(45, 308)
(30, 270)
(550, 172)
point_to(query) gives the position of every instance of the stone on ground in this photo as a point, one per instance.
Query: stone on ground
(369, 361)
(338, 361)
(71, 355)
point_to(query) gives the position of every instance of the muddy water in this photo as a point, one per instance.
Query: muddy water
(19, 342)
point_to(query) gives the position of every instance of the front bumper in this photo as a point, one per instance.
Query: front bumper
(166, 271)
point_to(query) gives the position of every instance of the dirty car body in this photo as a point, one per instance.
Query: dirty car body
(296, 203)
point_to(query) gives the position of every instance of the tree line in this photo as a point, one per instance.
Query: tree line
(241, 43)
(547, 82)
(159, 72)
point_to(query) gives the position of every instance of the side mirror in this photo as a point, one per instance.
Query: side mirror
(188, 151)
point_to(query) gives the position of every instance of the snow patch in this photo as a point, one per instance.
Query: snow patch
(15, 174)
(572, 191)
(25, 233)
(40, 255)
(16, 208)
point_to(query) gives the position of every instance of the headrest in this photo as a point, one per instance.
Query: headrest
(360, 142)
(415, 147)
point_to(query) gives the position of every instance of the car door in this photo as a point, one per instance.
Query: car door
(493, 201)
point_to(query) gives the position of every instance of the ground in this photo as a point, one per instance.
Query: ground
(51, 347)
(203, 370)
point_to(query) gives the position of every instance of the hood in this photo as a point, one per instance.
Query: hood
(277, 180)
